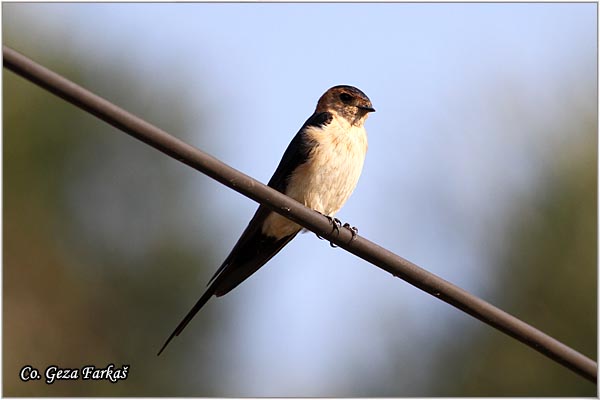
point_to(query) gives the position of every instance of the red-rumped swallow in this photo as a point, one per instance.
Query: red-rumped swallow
(319, 169)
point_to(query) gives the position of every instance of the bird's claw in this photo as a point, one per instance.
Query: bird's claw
(336, 223)
(352, 229)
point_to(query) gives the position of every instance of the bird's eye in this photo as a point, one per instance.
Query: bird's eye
(345, 97)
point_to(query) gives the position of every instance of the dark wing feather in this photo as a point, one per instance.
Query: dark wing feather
(257, 250)
(296, 154)
(253, 249)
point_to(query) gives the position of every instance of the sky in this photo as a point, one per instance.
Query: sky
(446, 160)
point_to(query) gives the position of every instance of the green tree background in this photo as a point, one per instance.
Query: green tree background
(102, 288)
(77, 290)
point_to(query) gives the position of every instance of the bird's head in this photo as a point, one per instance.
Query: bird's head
(348, 102)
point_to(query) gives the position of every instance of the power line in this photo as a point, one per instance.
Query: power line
(295, 211)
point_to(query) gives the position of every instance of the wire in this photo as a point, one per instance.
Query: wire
(298, 213)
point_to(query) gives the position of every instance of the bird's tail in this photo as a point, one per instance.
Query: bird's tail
(199, 304)
(250, 253)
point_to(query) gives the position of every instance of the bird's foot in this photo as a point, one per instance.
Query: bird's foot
(336, 223)
(352, 229)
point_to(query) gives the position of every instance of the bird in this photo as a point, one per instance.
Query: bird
(320, 169)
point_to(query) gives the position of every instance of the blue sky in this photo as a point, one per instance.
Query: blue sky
(446, 159)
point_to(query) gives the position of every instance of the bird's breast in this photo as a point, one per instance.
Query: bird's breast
(329, 175)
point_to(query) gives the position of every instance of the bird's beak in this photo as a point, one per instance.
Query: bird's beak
(367, 109)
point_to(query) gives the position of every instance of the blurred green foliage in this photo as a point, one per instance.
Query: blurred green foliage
(548, 262)
(92, 260)
(94, 264)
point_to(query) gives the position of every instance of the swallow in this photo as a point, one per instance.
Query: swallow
(320, 169)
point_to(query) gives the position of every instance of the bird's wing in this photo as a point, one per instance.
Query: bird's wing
(253, 249)
(297, 151)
